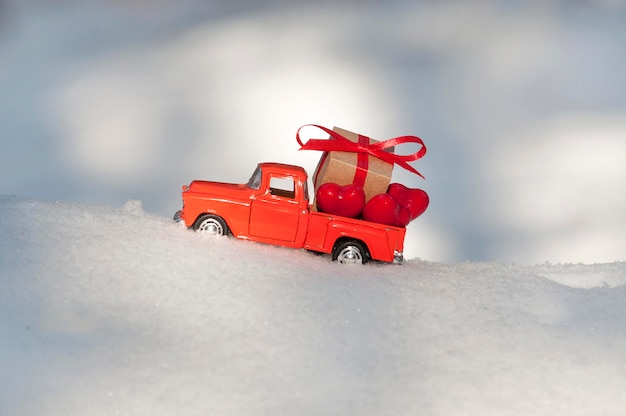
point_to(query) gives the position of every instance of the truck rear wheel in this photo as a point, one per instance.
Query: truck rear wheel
(211, 225)
(350, 252)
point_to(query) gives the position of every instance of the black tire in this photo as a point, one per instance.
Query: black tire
(351, 252)
(211, 225)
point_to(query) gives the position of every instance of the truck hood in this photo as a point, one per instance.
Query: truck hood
(224, 190)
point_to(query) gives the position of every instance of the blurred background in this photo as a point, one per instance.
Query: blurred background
(522, 105)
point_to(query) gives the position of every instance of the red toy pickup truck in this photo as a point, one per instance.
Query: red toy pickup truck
(273, 207)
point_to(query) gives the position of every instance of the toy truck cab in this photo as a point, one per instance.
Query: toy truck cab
(273, 207)
(279, 208)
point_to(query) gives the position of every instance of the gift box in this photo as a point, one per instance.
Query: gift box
(359, 168)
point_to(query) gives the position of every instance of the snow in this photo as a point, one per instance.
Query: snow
(109, 310)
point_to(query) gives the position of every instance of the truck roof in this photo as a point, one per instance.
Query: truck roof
(284, 169)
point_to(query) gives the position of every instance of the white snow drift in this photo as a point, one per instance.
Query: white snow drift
(116, 311)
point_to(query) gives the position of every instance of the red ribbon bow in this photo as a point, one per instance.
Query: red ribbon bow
(341, 144)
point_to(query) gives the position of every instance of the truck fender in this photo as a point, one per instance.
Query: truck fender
(375, 240)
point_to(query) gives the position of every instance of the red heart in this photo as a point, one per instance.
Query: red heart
(415, 200)
(347, 201)
(404, 216)
(383, 209)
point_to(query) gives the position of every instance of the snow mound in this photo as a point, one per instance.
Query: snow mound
(106, 311)
(585, 276)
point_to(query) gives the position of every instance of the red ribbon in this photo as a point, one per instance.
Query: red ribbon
(341, 144)
(362, 164)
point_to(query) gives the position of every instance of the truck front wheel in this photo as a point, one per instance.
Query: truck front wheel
(350, 252)
(211, 225)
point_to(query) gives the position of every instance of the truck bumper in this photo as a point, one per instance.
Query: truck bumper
(398, 257)
(178, 217)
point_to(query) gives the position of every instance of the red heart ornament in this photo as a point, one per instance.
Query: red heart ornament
(347, 201)
(415, 200)
(383, 209)
(404, 216)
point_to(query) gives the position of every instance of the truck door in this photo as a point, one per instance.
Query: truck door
(276, 213)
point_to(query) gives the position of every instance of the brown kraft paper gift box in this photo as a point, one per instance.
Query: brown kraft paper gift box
(341, 167)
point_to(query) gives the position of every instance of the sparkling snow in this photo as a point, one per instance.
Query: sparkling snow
(116, 311)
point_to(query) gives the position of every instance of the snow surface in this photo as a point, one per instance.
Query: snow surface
(117, 311)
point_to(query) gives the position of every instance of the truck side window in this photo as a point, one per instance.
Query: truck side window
(283, 187)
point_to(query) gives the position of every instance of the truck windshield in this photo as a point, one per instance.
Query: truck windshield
(255, 179)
